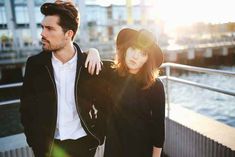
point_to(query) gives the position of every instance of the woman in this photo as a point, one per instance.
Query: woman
(136, 118)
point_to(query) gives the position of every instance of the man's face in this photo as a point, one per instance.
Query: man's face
(53, 37)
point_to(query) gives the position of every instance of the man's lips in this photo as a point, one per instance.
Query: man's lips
(44, 41)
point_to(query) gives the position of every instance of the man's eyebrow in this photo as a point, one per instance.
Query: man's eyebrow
(45, 26)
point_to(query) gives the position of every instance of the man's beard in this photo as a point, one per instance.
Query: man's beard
(44, 43)
(47, 48)
(52, 48)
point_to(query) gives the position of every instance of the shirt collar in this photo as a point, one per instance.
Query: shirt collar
(69, 63)
(74, 59)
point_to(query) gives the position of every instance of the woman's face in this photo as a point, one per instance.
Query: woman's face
(135, 59)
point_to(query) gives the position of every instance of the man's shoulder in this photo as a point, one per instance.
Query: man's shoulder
(105, 73)
(107, 63)
(107, 68)
(38, 58)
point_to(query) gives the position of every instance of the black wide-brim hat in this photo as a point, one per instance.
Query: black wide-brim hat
(143, 38)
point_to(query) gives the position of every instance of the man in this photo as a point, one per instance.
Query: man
(61, 107)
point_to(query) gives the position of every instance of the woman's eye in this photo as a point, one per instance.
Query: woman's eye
(143, 54)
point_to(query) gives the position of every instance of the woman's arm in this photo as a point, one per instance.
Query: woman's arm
(157, 104)
(156, 152)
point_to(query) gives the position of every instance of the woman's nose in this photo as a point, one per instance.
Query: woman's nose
(135, 55)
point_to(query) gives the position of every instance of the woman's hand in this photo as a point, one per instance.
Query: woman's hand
(93, 61)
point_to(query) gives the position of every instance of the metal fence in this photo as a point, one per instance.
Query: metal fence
(168, 78)
(19, 152)
(180, 141)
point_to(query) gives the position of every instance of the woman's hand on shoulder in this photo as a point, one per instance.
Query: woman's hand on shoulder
(93, 61)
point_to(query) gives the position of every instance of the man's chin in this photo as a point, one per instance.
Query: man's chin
(45, 48)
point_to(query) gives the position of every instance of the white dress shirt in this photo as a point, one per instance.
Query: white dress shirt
(68, 124)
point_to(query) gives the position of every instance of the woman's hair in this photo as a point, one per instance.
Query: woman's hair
(148, 72)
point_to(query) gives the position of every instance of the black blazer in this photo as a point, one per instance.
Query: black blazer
(39, 102)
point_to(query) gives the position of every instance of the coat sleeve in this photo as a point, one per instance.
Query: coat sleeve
(101, 86)
(27, 103)
(95, 89)
(157, 105)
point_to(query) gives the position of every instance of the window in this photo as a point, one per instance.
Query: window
(22, 16)
(19, 2)
(3, 15)
(39, 2)
(3, 20)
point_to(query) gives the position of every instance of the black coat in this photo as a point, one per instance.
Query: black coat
(39, 102)
(136, 118)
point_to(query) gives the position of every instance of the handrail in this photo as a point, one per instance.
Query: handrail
(10, 102)
(198, 69)
(11, 85)
(231, 93)
(168, 77)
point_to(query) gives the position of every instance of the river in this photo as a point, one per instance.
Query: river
(219, 106)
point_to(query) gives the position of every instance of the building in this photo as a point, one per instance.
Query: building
(20, 22)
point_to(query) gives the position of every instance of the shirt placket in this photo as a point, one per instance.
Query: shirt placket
(63, 102)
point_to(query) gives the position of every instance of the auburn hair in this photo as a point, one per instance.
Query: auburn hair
(147, 73)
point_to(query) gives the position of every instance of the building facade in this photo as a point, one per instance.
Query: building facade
(20, 22)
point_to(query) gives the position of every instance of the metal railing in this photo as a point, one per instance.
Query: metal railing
(184, 141)
(181, 141)
(168, 77)
(13, 85)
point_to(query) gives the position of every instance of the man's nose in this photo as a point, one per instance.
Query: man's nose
(43, 34)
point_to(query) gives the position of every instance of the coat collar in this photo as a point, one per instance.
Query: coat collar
(45, 58)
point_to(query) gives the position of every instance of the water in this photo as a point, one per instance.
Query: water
(219, 106)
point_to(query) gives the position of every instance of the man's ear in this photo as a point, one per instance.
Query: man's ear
(69, 34)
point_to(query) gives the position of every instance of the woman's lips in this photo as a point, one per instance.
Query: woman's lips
(132, 62)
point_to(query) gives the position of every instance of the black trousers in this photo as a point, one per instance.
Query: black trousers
(82, 147)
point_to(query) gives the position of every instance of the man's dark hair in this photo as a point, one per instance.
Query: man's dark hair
(67, 13)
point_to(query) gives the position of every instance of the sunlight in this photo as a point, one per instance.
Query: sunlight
(186, 12)
(173, 14)
(183, 12)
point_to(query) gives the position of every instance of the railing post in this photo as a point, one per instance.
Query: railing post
(168, 72)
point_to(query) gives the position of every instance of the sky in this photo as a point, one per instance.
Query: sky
(184, 12)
